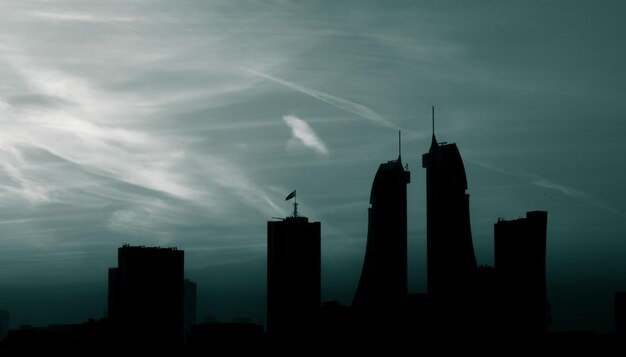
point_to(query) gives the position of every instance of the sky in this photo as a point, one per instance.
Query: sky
(186, 123)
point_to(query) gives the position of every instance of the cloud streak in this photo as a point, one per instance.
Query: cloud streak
(95, 139)
(337, 102)
(81, 17)
(303, 133)
(543, 182)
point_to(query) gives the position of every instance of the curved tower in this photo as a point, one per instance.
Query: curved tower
(451, 263)
(383, 283)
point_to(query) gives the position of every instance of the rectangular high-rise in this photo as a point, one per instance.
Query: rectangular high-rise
(520, 263)
(146, 296)
(293, 276)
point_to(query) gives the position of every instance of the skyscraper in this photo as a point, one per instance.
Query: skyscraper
(146, 296)
(520, 262)
(383, 284)
(451, 263)
(293, 275)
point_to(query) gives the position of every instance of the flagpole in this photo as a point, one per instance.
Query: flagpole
(295, 205)
(295, 202)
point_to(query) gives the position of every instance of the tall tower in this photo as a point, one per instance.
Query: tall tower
(293, 275)
(451, 263)
(146, 296)
(520, 262)
(383, 284)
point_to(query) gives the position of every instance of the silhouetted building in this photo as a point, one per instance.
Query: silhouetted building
(67, 339)
(520, 262)
(146, 296)
(487, 301)
(620, 313)
(451, 263)
(191, 305)
(335, 321)
(226, 338)
(293, 275)
(419, 314)
(4, 324)
(382, 287)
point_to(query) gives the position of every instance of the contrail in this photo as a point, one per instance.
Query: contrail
(574, 193)
(337, 102)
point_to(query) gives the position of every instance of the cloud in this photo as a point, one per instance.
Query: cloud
(80, 17)
(337, 102)
(574, 193)
(302, 132)
(580, 195)
(110, 145)
(98, 138)
(18, 183)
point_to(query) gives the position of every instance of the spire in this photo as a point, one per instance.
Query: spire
(434, 141)
(399, 145)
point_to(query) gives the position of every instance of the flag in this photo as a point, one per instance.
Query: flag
(291, 195)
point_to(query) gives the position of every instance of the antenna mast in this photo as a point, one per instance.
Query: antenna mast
(399, 144)
(433, 120)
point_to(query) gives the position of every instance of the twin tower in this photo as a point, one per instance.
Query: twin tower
(451, 262)
(456, 288)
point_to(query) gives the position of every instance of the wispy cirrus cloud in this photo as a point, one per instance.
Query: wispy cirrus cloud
(81, 17)
(102, 144)
(108, 136)
(304, 134)
(337, 102)
(571, 192)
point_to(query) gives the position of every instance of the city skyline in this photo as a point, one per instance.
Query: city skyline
(186, 124)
